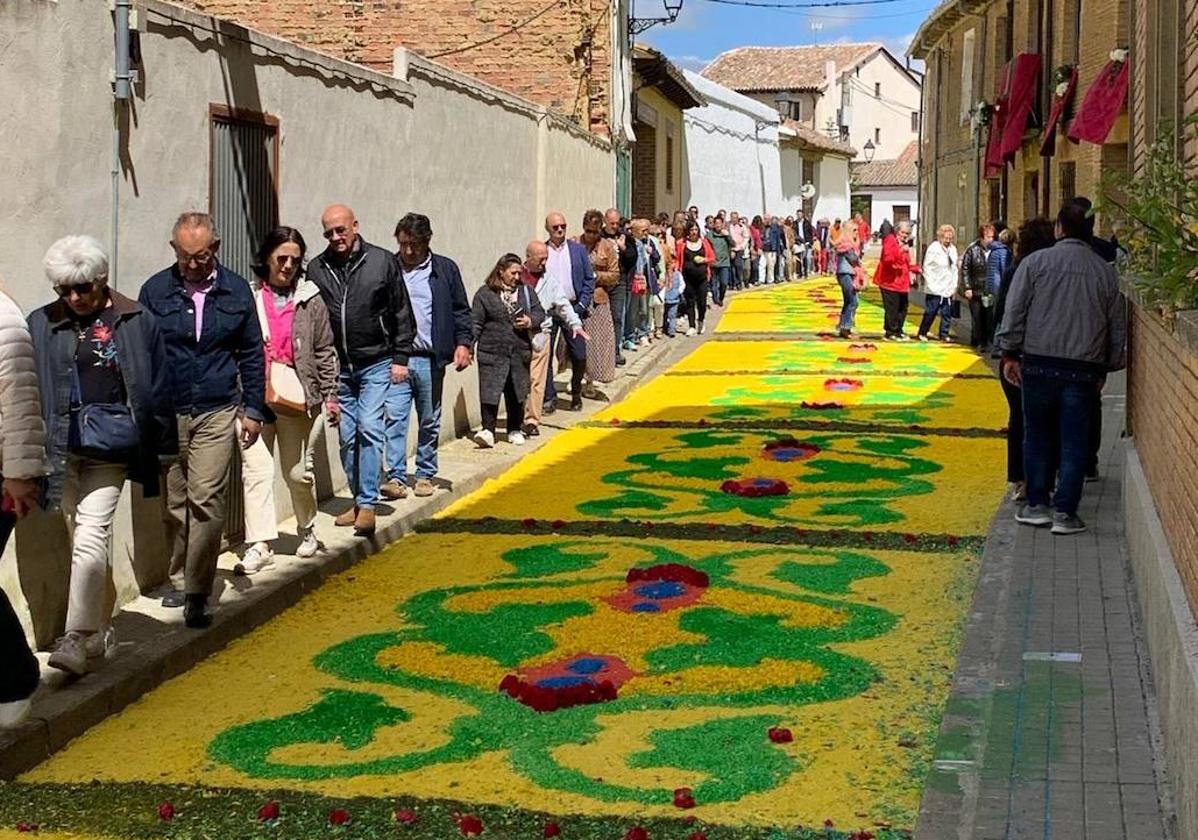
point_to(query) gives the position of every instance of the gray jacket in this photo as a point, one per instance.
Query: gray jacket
(1065, 303)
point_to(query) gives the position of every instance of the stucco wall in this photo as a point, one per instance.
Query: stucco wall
(829, 175)
(732, 159)
(669, 118)
(483, 165)
(884, 199)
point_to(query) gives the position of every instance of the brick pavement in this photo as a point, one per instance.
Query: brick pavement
(1050, 730)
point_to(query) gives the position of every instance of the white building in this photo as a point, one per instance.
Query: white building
(887, 189)
(859, 92)
(818, 163)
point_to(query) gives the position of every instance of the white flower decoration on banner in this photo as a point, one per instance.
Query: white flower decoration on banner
(1119, 55)
(1061, 89)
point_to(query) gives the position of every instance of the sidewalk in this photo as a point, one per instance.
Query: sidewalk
(154, 646)
(1050, 730)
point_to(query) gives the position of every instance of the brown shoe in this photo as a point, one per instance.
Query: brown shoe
(364, 524)
(348, 518)
(424, 487)
(393, 490)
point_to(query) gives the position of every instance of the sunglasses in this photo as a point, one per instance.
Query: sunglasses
(557, 227)
(340, 230)
(81, 289)
(286, 259)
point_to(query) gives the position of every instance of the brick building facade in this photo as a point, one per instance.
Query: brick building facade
(568, 56)
(967, 48)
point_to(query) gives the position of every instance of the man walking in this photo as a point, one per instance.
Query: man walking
(721, 274)
(739, 231)
(558, 308)
(805, 234)
(619, 294)
(775, 250)
(1063, 331)
(374, 329)
(444, 335)
(570, 266)
(217, 370)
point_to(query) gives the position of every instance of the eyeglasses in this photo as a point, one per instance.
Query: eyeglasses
(340, 230)
(81, 289)
(557, 227)
(202, 258)
(286, 259)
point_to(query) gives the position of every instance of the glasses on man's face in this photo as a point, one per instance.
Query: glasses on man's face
(340, 230)
(200, 260)
(557, 227)
(81, 289)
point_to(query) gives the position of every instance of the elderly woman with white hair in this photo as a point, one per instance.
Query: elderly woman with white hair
(940, 270)
(108, 416)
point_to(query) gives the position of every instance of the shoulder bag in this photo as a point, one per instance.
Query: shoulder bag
(102, 429)
(284, 391)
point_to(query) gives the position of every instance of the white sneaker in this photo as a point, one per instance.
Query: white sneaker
(516, 438)
(309, 545)
(13, 714)
(485, 438)
(70, 654)
(257, 557)
(690, 331)
(921, 337)
(700, 328)
(100, 643)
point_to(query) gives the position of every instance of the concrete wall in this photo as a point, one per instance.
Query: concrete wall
(482, 164)
(732, 158)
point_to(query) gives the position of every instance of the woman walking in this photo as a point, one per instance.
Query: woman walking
(755, 260)
(893, 277)
(107, 409)
(301, 381)
(848, 266)
(504, 313)
(605, 260)
(974, 279)
(1034, 235)
(695, 257)
(940, 283)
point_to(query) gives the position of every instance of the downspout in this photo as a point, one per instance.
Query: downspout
(122, 90)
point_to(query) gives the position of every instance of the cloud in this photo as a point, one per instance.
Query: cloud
(691, 62)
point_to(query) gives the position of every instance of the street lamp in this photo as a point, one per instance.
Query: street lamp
(638, 25)
(869, 150)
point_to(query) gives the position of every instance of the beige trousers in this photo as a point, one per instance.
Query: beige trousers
(89, 500)
(536, 393)
(197, 490)
(296, 438)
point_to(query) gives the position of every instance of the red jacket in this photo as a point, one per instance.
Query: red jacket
(894, 268)
(708, 252)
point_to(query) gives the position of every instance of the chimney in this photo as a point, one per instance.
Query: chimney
(830, 75)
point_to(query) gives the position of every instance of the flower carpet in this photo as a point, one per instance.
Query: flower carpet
(727, 607)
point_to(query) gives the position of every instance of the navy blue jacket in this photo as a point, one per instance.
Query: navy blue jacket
(205, 375)
(453, 326)
(582, 273)
(775, 238)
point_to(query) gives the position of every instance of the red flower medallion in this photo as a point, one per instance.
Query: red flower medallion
(789, 449)
(753, 488)
(843, 384)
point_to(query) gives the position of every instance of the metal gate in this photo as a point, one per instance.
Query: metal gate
(243, 199)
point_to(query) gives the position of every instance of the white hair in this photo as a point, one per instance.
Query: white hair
(73, 260)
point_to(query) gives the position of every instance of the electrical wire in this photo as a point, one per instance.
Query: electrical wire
(510, 30)
(817, 16)
(762, 4)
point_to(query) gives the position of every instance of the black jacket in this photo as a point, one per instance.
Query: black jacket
(975, 269)
(226, 366)
(368, 306)
(144, 371)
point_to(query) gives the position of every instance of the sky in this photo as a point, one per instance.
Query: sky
(705, 29)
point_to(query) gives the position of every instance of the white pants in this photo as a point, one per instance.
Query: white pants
(296, 436)
(771, 265)
(89, 499)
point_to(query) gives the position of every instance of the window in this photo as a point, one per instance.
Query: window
(996, 211)
(1031, 195)
(669, 156)
(877, 136)
(1068, 175)
(243, 186)
(967, 76)
(877, 90)
(915, 122)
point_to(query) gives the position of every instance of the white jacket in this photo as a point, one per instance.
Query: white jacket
(940, 267)
(553, 299)
(22, 431)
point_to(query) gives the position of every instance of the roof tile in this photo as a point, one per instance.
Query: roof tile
(784, 68)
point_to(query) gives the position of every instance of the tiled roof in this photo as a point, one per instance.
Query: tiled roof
(658, 71)
(784, 68)
(820, 141)
(898, 172)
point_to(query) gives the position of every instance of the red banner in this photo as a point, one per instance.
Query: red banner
(1060, 104)
(1020, 95)
(1102, 104)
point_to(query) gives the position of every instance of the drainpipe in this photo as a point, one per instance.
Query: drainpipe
(122, 89)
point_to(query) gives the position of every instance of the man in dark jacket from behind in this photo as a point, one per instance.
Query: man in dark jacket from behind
(213, 343)
(444, 335)
(373, 330)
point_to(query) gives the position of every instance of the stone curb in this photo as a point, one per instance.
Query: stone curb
(165, 650)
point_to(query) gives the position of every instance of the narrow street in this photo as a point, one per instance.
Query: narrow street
(743, 585)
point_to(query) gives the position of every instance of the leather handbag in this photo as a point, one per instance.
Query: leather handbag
(284, 391)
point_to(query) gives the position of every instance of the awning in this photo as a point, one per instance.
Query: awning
(1020, 94)
(1102, 105)
(1060, 104)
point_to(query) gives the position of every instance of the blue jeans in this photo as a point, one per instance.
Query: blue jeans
(422, 387)
(934, 305)
(618, 299)
(1057, 406)
(721, 277)
(363, 396)
(780, 267)
(849, 310)
(670, 322)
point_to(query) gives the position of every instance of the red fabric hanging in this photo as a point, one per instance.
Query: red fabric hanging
(1019, 102)
(994, 161)
(1048, 146)
(1102, 104)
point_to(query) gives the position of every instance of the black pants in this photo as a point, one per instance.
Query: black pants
(515, 409)
(980, 318)
(895, 304)
(694, 298)
(18, 667)
(578, 362)
(1014, 395)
